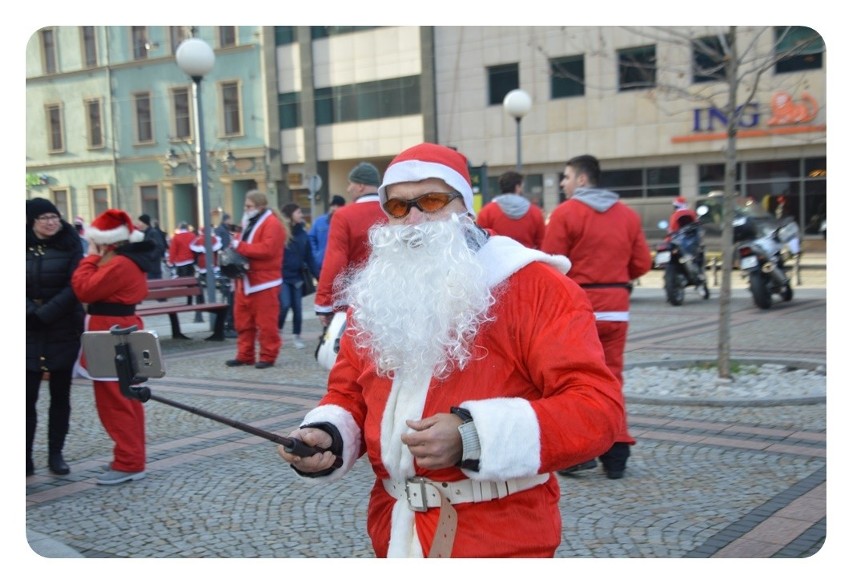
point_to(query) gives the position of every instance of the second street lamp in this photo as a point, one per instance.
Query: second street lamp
(196, 58)
(517, 104)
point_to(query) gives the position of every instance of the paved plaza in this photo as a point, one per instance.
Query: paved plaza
(705, 480)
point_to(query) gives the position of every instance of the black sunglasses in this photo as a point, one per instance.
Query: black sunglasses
(428, 203)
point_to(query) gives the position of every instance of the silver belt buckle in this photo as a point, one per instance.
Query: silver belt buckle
(415, 489)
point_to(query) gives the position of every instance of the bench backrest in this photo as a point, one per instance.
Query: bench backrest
(173, 288)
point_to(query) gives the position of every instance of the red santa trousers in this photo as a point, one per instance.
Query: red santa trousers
(256, 319)
(613, 336)
(124, 420)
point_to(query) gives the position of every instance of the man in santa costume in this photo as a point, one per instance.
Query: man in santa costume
(347, 246)
(111, 280)
(604, 240)
(256, 304)
(681, 215)
(469, 372)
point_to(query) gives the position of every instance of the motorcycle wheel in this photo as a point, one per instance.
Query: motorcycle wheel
(787, 293)
(759, 290)
(674, 287)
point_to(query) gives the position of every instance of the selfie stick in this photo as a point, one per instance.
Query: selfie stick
(127, 378)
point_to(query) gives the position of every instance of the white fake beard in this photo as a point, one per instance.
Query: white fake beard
(421, 297)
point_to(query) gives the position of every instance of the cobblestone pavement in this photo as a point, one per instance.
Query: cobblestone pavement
(703, 481)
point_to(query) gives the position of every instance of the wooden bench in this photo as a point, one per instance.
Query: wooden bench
(179, 288)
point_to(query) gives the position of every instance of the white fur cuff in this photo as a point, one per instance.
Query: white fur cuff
(510, 438)
(349, 432)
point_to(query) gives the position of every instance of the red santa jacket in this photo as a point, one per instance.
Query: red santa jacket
(348, 244)
(180, 253)
(118, 281)
(538, 388)
(197, 246)
(264, 247)
(527, 230)
(607, 250)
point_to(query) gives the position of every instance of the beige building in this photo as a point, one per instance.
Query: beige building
(648, 102)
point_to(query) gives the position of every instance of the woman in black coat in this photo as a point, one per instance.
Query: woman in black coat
(54, 323)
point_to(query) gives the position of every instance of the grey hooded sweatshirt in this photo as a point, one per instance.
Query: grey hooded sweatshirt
(598, 199)
(514, 206)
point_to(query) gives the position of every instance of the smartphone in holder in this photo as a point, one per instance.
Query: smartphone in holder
(145, 354)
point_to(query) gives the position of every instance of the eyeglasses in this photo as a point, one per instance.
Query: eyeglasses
(428, 203)
(47, 218)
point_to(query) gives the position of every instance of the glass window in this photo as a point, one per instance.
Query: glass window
(637, 68)
(144, 120)
(178, 34)
(90, 46)
(364, 101)
(150, 195)
(659, 181)
(567, 77)
(771, 169)
(181, 113)
(708, 58)
(60, 199)
(139, 40)
(285, 35)
(48, 50)
(94, 121)
(321, 32)
(797, 48)
(289, 110)
(501, 80)
(100, 198)
(227, 36)
(56, 134)
(231, 109)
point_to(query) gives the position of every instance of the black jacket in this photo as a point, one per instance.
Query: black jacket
(54, 315)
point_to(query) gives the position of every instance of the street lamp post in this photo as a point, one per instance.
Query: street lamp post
(196, 59)
(517, 104)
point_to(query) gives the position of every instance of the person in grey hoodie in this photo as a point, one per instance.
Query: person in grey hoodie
(604, 240)
(512, 214)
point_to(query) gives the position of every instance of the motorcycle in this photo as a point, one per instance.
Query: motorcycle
(761, 261)
(682, 258)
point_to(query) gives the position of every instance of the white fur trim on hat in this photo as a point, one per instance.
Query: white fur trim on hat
(427, 161)
(113, 226)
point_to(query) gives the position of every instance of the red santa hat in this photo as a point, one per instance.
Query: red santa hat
(113, 226)
(430, 161)
(680, 203)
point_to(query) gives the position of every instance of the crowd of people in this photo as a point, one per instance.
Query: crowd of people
(513, 331)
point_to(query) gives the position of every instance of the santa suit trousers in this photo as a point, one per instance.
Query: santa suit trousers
(124, 420)
(256, 319)
(613, 337)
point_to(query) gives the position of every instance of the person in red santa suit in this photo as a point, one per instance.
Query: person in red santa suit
(256, 304)
(604, 240)
(197, 247)
(682, 215)
(347, 245)
(470, 371)
(111, 280)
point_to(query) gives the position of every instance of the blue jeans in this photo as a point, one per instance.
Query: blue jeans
(290, 297)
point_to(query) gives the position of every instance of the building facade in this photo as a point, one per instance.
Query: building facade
(314, 101)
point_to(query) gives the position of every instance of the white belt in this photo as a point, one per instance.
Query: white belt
(422, 493)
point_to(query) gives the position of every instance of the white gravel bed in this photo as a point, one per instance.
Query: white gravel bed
(767, 381)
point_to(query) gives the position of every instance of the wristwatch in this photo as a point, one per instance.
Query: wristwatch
(470, 440)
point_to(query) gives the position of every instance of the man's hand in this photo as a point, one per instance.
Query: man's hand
(312, 437)
(435, 442)
(325, 318)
